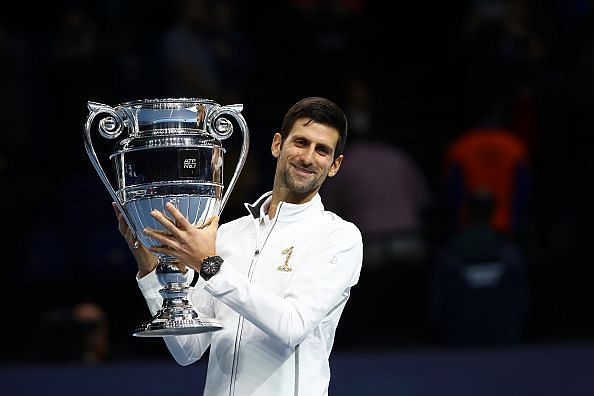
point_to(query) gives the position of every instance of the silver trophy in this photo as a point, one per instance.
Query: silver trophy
(166, 150)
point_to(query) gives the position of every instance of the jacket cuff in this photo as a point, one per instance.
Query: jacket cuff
(149, 285)
(222, 281)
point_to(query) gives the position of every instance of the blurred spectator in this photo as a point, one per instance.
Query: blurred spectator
(91, 319)
(379, 187)
(479, 290)
(72, 335)
(506, 55)
(331, 30)
(489, 156)
(207, 54)
(504, 44)
(505, 29)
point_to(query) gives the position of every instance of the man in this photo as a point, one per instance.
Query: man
(492, 157)
(277, 279)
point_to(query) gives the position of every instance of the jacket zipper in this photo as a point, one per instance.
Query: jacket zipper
(240, 322)
(296, 391)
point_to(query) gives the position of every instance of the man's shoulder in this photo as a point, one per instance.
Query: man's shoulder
(335, 218)
(335, 223)
(236, 223)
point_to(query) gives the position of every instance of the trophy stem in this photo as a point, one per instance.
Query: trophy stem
(177, 316)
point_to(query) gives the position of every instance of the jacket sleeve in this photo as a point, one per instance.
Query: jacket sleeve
(321, 283)
(185, 349)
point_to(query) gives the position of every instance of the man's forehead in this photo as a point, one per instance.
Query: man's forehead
(312, 130)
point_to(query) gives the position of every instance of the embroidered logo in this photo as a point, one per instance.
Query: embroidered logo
(285, 267)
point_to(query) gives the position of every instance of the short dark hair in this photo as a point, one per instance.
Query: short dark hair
(320, 110)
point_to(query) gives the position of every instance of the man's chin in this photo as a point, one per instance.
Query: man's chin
(299, 184)
(301, 188)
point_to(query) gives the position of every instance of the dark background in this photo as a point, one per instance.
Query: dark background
(428, 71)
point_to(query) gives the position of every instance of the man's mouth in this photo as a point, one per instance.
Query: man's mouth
(303, 171)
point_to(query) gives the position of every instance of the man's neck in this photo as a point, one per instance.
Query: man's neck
(278, 196)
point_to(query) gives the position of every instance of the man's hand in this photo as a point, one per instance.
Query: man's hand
(184, 241)
(145, 260)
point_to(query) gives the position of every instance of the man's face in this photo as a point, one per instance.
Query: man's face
(306, 157)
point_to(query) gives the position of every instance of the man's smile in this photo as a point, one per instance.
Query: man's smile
(302, 171)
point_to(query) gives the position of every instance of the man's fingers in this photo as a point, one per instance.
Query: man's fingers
(205, 224)
(164, 249)
(159, 232)
(166, 222)
(180, 220)
(123, 228)
(117, 211)
(131, 239)
(212, 221)
(160, 236)
(122, 225)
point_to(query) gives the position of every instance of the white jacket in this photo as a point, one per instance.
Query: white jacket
(279, 325)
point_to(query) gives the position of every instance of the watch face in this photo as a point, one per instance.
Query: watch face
(211, 266)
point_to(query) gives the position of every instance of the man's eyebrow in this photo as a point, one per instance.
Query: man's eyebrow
(301, 137)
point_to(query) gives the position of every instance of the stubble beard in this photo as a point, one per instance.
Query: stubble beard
(295, 187)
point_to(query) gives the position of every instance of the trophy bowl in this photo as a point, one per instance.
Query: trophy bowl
(167, 150)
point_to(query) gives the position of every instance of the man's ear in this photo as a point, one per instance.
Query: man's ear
(335, 165)
(275, 148)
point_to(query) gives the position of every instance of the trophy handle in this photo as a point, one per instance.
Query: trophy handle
(221, 128)
(110, 127)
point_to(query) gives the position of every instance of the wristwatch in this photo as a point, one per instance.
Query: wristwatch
(210, 266)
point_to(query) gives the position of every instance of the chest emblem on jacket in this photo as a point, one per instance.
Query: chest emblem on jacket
(285, 267)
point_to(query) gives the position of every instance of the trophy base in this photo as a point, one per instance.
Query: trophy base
(176, 319)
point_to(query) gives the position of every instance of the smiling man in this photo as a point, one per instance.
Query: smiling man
(278, 278)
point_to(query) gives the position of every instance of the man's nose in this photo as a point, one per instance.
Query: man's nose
(307, 155)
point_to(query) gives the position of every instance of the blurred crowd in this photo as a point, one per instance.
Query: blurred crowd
(468, 124)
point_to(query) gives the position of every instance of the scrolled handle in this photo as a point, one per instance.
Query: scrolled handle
(221, 128)
(109, 127)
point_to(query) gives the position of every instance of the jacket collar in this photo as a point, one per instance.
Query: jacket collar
(287, 212)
